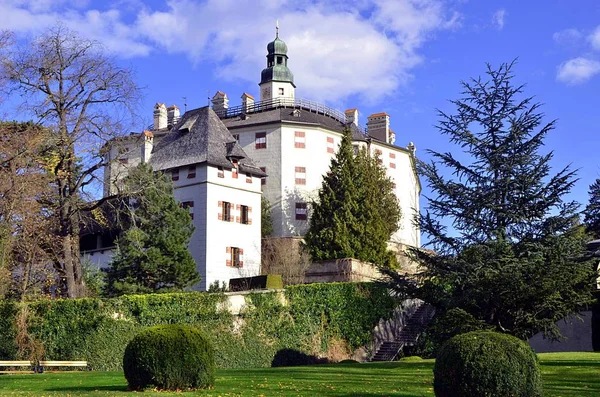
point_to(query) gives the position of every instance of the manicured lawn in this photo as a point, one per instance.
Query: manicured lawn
(565, 374)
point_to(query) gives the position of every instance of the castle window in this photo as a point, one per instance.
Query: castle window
(175, 174)
(330, 142)
(244, 214)
(300, 139)
(263, 180)
(191, 172)
(234, 257)
(189, 205)
(220, 172)
(260, 140)
(280, 91)
(236, 137)
(225, 213)
(279, 60)
(124, 160)
(300, 175)
(301, 211)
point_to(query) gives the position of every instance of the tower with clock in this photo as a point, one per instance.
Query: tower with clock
(277, 80)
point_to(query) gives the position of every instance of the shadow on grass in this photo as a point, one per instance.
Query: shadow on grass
(81, 388)
(570, 364)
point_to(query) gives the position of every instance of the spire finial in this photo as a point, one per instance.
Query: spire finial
(277, 29)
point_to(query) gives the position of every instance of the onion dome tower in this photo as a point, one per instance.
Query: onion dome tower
(276, 80)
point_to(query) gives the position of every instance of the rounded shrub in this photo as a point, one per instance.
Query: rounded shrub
(169, 357)
(485, 363)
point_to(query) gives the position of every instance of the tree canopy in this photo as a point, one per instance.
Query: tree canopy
(69, 85)
(356, 211)
(592, 210)
(152, 253)
(507, 246)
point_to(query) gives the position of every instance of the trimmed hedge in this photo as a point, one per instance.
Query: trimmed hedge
(98, 330)
(485, 363)
(169, 357)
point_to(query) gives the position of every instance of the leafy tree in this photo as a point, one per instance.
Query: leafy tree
(72, 87)
(356, 211)
(507, 246)
(592, 210)
(266, 221)
(152, 255)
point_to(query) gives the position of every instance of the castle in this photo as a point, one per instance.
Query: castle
(222, 159)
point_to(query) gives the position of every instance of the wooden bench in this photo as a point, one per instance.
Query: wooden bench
(42, 364)
(14, 364)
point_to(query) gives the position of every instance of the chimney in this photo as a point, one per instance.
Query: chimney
(147, 146)
(352, 116)
(378, 126)
(391, 137)
(247, 103)
(172, 115)
(160, 116)
(220, 103)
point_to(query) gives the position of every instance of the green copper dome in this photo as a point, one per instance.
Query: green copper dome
(277, 46)
(277, 58)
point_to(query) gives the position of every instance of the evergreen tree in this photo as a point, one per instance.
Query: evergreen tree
(152, 255)
(356, 211)
(508, 248)
(592, 210)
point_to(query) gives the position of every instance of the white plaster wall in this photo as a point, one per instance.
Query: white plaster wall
(129, 148)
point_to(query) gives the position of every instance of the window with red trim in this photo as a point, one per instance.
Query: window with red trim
(300, 175)
(260, 140)
(301, 211)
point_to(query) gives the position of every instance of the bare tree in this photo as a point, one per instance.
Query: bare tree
(72, 87)
(287, 257)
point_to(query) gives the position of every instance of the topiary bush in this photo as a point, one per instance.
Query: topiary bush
(169, 357)
(485, 363)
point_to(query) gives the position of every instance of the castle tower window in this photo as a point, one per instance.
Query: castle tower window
(175, 174)
(191, 172)
(301, 211)
(225, 213)
(281, 91)
(260, 140)
(189, 205)
(299, 139)
(279, 60)
(300, 175)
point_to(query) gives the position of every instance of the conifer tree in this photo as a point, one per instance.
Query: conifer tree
(152, 254)
(507, 246)
(592, 210)
(356, 211)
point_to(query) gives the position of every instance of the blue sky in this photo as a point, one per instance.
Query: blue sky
(404, 57)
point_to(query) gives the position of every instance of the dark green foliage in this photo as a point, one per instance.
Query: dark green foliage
(444, 326)
(486, 364)
(98, 330)
(356, 212)
(169, 357)
(152, 255)
(295, 358)
(509, 250)
(592, 210)
(266, 221)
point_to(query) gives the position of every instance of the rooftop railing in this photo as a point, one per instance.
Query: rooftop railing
(291, 103)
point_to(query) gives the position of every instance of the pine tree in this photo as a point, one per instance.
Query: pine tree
(356, 211)
(152, 254)
(592, 210)
(508, 248)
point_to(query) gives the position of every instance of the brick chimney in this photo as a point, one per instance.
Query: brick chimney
(172, 115)
(160, 116)
(352, 116)
(220, 103)
(247, 103)
(378, 127)
(147, 146)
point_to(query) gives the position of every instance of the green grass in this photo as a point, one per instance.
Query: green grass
(565, 375)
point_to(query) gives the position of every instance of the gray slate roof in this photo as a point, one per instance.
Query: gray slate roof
(288, 115)
(200, 137)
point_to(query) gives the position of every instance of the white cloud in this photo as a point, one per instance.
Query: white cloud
(567, 36)
(368, 48)
(498, 19)
(595, 39)
(577, 70)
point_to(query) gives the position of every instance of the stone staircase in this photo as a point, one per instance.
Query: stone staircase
(408, 336)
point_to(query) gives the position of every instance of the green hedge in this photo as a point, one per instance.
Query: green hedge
(97, 330)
